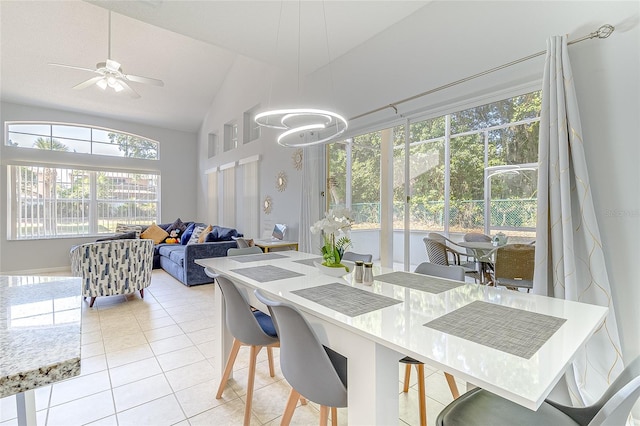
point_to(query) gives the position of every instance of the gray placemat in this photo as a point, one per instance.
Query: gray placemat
(515, 331)
(256, 257)
(266, 273)
(418, 282)
(345, 299)
(309, 262)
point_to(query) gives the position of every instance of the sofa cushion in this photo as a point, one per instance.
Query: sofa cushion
(155, 233)
(186, 236)
(174, 252)
(126, 228)
(220, 233)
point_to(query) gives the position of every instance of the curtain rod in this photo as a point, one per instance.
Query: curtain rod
(603, 32)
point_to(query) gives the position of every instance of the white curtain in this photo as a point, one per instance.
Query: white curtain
(569, 259)
(250, 201)
(310, 199)
(229, 197)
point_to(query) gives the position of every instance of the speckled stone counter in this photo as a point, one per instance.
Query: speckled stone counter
(40, 331)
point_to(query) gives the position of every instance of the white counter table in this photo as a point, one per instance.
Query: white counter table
(514, 344)
(40, 334)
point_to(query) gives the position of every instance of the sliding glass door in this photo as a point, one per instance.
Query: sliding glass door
(468, 171)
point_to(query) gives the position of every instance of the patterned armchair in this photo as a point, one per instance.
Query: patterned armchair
(113, 267)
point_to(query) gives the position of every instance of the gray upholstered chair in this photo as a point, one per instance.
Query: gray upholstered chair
(452, 272)
(109, 268)
(243, 251)
(313, 370)
(440, 252)
(480, 407)
(352, 256)
(248, 328)
(514, 265)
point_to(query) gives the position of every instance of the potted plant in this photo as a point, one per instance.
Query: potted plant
(335, 228)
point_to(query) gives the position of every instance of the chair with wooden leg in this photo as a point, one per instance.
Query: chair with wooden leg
(313, 370)
(248, 328)
(453, 273)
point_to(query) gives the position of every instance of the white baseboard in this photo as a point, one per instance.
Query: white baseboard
(62, 271)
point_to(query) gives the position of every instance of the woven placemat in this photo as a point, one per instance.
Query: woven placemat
(347, 300)
(256, 257)
(309, 262)
(418, 282)
(266, 273)
(515, 331)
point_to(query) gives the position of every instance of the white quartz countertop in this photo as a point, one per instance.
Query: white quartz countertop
(40, 331)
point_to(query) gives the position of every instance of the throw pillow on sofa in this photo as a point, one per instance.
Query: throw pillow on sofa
(186, 235)
(204, 234)
(155, 233)
(178, 225)
(220, 233)
(195, 236)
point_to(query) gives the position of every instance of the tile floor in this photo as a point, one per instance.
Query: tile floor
(148, 362)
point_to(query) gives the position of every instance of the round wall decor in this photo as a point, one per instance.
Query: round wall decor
(267, 205)
(281, 181)
(296, 157)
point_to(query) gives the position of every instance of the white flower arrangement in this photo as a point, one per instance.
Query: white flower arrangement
(336, 223)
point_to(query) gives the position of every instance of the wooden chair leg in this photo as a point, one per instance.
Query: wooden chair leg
(294, 396)
(93, 299)
(421, 395)
(250, 381)
(270, 357)
(142, 293)
(324, 415)
(334, 416)
(227, 369)
(453, 387)
(407, 377)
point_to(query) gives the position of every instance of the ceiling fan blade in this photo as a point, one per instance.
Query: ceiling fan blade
(128, 89)
(87, 83)
(73, 67)
(113, 65)
(145, 80)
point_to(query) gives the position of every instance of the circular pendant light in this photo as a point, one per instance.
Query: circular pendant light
(303, 126)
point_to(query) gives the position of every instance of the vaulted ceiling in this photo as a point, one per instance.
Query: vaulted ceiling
(190, 45)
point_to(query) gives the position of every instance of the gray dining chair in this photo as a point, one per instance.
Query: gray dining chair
(452, 272)
(352, 256)
(244, 251)
(480, 407)
(440, 252)
(313, 370)
(248, 328)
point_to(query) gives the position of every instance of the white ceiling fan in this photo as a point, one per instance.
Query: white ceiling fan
(110, 74)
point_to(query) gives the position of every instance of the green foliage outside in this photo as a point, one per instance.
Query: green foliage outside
(505, 146)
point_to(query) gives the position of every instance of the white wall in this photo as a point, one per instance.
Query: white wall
(178, 183)
(447, 41)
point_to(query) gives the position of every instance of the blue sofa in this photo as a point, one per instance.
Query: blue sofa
(179, 259)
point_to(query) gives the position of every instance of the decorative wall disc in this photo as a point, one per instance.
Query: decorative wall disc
(297, 159)
(281, 181)
(267, 205)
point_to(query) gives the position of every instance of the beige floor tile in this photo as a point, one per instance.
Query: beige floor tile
(134, 371)
(231, 413)
(207, 349)
(179, 358)
(147, 324)
(202, 397)
(169, 345)
(91, 337)
(190, 375)
(82, 411)
(195, 325)
(163, 332)
(202, 336)
(122, 341)
(107, 421)
(164, 411)
(141, 392)
(92, 349)
(90, 365)
(78, 387)
(132, 354)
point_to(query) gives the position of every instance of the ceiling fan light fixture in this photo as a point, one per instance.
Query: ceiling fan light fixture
(102, 84)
